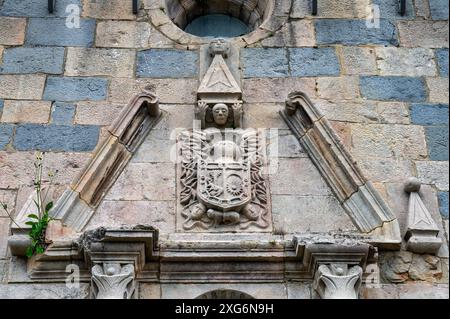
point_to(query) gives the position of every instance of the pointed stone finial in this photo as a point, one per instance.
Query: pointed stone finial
(338, 281)
(422, 232)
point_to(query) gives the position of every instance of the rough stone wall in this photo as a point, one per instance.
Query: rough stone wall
(384, 89)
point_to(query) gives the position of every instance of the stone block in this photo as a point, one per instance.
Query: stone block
(425, 34)
(434, 173)
(123, 34)
(379, 292)
(12, 31)
(108, 10)
(438, 90)
(438, 145)
(36, 8)
(69, 89)
(26, 111)
(338, 88)
(443, 204)
(386, 141)
(176, 117)
(62, 113)
(354, 32)
(159, 63)
(6, 134)
(301, 214)
(439, 9)
(149, 291)
(422, 9)
(429, 114)
(423, 291)
(264, 115)
(180, 91)
(33, 60)
(408, 89)
(406, 61)
(259, 62)
(145, 181)
(4, 233)
(39, 28)
(385, 170)
(297, 33)
(286, 145)
(8, 197)
(394, 266)
(426, 268)
(43, 291)
(80, 138)
(442, 60)
(346, 9)
(158, 147)
(22, 87)
(358, 60)
(298, 176)
(100, 62)
(389, 9)
(260, 90)
(97, 113)
(313, 62)
(159, 214)
(298, 290)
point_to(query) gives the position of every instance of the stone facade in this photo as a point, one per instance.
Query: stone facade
(107, 98)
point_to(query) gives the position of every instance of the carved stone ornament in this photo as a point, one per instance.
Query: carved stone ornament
(113, 281)
(221, 179)
(338, 281)
(422, 233)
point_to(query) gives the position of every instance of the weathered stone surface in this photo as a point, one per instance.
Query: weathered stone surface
(62, 113)
(390, 9)
(69, 89)
(123, 34)
(438, 90)
(389, 141)
(43, 291)
(354, 32)
(182, 91)
(8, 197)
(338, 88)
(379, 292)
(438, 145)
(56, 138)
(423, 291)
(300, 214)
(426, 268)
(108, 62)
(434, 173)
(443, 204)
(442, 60)
(145, 181)
(298, 290)
(4, 265)
(395, 266)
(406, 61)
(422, 9)
(12, 31)
(159, 214)
(26, 111)
(108, 10)
(176, 117)
(298, 33)
(313, 62)
(36, 8)
(23, 87)
(385, 170)
(439, 9)
(159, 63)
(426, 34)
(97, 113)
(149, 291)
(33, 60)
(429, 114)
(6, 134)
(358, 60)
(260, 90)
(264, 115)
(331, 9)
(158, 147)
(259, 62)
(283, 144)
(4, 233)
(408, 89)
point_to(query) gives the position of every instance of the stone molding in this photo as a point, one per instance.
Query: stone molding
(367, 209)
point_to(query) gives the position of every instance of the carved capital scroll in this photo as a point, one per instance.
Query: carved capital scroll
(338, 281)
(113, 281)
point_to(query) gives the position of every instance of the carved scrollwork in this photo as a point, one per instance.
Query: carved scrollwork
(113, 281)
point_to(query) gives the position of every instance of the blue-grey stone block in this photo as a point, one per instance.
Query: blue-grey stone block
(439, 9)
(437, 140)
(80, 138)
(36, 8)
(393, 88)
(6, 133)
(68, 89)
(54, 32)
(429, 114)
(355, 32)
(63, 113)
(313, 62)
(259, 62)
(443, 204)
(33, 60)
(158, 63)
(390, 9)
(1, 107)
(442, 59)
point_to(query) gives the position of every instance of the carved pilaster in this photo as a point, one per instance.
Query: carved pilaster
(113, 281)
(338, 281)
(422, 232)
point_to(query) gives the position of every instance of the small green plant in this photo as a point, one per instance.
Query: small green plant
(39, 221)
